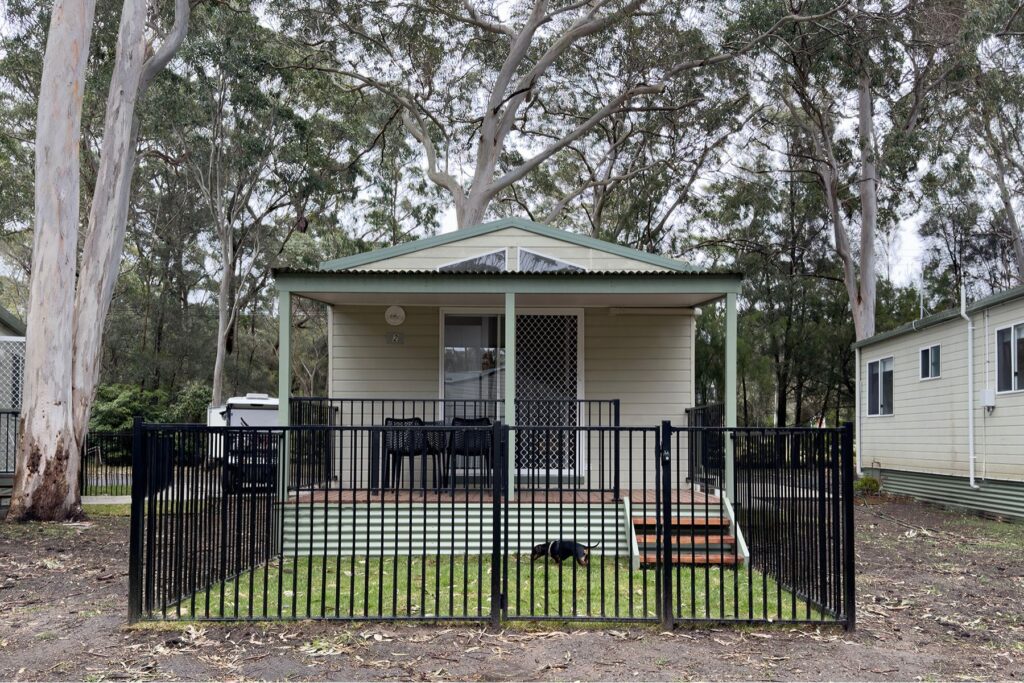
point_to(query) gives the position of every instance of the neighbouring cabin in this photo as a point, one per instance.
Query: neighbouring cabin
(923, 410)
(12, 363)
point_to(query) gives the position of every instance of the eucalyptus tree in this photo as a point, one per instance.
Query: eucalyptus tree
(269, 152)
(862, 84)
(69, 297)
(995, 118)
(493, 91)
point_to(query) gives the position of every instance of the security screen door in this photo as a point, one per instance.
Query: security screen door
(547, 389)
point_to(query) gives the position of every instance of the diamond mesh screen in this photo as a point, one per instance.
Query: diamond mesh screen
(546, 391)
(12, 364)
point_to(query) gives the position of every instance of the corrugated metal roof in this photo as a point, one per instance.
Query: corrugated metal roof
(375, 255)
(503, 274)
(944, 316)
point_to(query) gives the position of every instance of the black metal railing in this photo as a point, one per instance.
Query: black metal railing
(8, 439)
(441, 522)
(106, 465)
(706, 447)
(365, 412)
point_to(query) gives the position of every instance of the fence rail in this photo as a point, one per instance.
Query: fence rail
(250, 523)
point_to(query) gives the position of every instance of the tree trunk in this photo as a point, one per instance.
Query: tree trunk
(223, 315)
(864, 307)
(46, 474)
(104, 243)
(1016, 236)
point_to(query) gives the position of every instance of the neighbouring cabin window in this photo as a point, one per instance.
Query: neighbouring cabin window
(474, 363)
(530, 262)
(880, 386)
(930, 362)
(1010, 358)
(494, 262)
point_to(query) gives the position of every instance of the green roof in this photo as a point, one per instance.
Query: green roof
(376, 255)
(944, 316)
(12, 321)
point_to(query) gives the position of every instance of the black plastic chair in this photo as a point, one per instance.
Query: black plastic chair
(470, 444)
(400, 444)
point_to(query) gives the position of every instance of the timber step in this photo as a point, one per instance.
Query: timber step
(696, 541)
(713, 559)
(683, 521)
(679, 540)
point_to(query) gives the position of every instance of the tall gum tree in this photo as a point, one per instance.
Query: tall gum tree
(65, 314)
(492, 91)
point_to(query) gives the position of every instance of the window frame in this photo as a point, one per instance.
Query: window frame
(440, 267)
(881, 392)
(929, 348)
(1015, 372)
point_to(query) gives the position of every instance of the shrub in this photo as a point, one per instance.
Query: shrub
(189, 406)
(867, 486)
(117, 404)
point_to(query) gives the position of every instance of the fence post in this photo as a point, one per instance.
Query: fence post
(616, 446)
(498, 461)
(849, 529)
(665, 467)
(135, 539)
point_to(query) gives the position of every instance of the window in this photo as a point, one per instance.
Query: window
(880, 387)
(474, 359)
(930, 362)
(1010, 358)
(529, 262)
(493, 262)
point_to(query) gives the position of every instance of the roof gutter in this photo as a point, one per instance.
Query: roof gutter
(970, 388)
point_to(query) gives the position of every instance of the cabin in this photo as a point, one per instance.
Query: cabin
(940, 406)
(565, 339)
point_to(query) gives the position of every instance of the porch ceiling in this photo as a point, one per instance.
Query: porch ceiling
(632, 289)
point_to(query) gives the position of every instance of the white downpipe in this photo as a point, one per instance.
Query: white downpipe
(856, 411)
(970, 387)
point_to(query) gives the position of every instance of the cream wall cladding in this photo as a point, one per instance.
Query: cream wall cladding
(645, 361)
(513, 239)
(928, 430)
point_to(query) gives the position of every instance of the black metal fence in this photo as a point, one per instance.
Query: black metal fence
(106, 466)
(8, 439)
(224, 528)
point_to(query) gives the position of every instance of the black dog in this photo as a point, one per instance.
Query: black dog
(562, 550)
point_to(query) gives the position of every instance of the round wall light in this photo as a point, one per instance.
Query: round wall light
(394, 315)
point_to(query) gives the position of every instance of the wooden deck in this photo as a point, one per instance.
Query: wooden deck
(637, 497)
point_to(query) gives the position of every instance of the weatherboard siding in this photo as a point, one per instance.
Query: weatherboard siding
(927, 432)
(645, 361)
(514, 238)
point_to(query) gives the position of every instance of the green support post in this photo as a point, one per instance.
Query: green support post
(510, 388)
(284, 385)
(730, 394)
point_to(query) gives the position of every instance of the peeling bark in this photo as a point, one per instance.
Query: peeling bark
(46, 473)
(65, 317)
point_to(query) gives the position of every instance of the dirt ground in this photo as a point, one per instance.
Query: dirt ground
(940, 596)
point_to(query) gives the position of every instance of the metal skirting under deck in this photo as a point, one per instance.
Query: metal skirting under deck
(6, 489)
(994, 497)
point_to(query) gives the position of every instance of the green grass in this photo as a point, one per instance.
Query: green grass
(459, 586)
(108, 490)
(104, 510)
